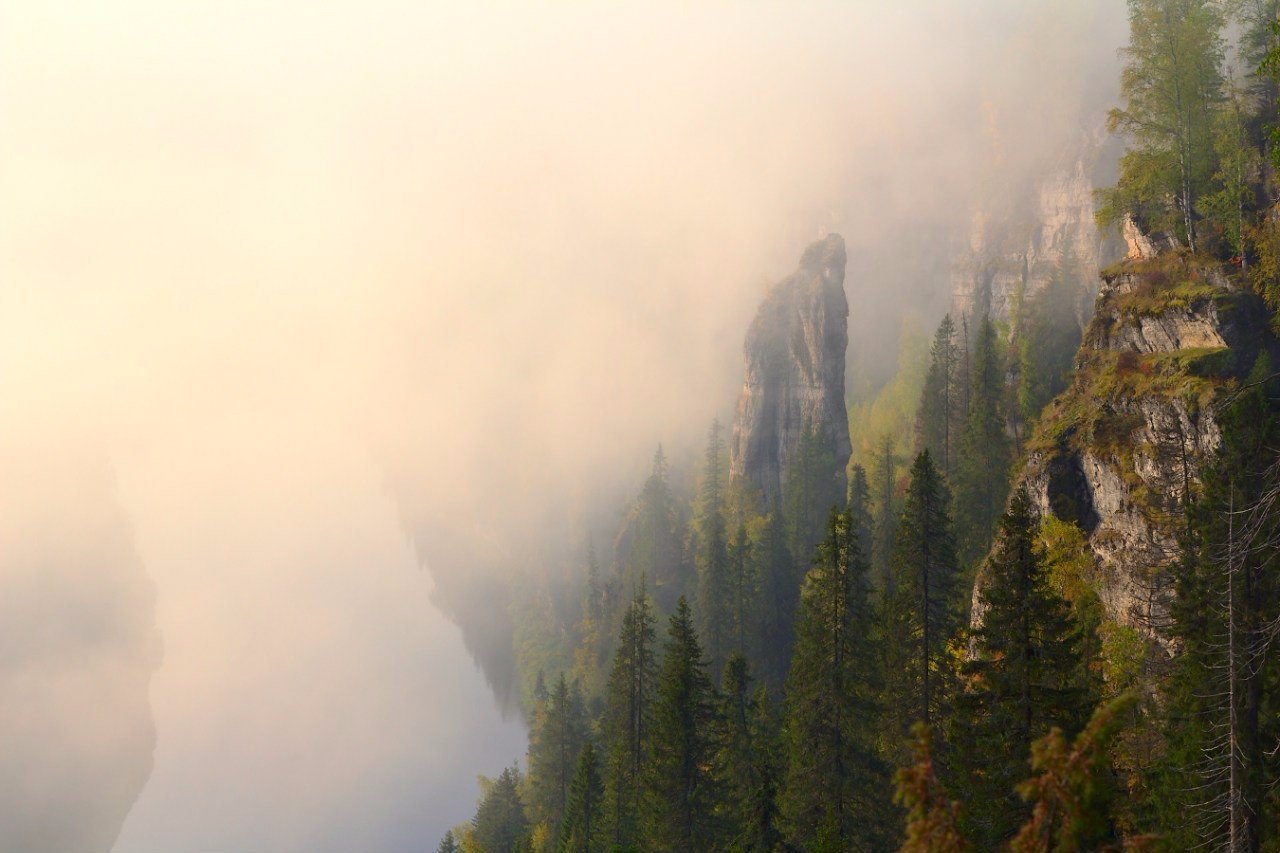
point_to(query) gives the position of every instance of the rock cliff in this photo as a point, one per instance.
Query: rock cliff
(1022, 238)
(1120, 448)
(795, 362)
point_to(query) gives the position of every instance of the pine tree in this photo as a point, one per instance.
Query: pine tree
(742, 596)
(500, 825)
(680, 797)
(983, 468)
(835, 791)
(744, 763)
(1225, 689)
(651, 547)
(811, 489)
(860, 509)
(1023, 678)
(938, 417)
(448, 844)
(712, 556)
(886, 511)
(627, 720)
(558, 734)
(582, 830)
(922, 609)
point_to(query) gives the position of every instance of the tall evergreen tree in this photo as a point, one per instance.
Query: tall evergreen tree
(811, 489)
(712, 555)
(1224, 696)
(582, 830)
(680, 791)
(627, 720)
(983, 470)
(558, 733)
(1022, 680)
(836, 790)
(860, 509)
(885, 479)
(500, 825)
(742, 596)
(922, 610)
(448, 844)
(651, 548)
(745, 765)
(940, 416)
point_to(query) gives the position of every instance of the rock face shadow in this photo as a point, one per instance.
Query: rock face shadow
(78, 646)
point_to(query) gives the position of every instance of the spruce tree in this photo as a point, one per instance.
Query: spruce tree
(680, 798)
(860, 509)
(983, 469)
(448, 844)
(885, 480)
(651, 548)
(1224, 695)
(1022, 680)
(937, 420)
(921, 610)
(627, 719)
(500, 825)
(558, 734)
(745, 765)
(582, 830)
(836, 788)
(742, 597)
(712, 556)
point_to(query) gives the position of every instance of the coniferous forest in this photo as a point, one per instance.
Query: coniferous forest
(1041, 614)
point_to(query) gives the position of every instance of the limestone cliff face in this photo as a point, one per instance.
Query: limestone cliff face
(795, 361)
(1020, 240)
(1117, 452)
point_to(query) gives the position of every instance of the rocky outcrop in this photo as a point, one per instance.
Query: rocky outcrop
(1119, 450)
(1021, 240)
(795, 361)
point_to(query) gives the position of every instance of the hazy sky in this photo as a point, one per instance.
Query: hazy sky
(308, 277)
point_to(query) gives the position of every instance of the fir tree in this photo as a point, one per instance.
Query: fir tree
(582, 830)
(1022, 680)
(835, 791)
(922, 609)
(939, 416)
(983, 469)
(680, 792)
(652, 547)
(742, 596)
(712, 556)
(627, 718)
(448, 844)
(860, 510)
(558, 734)
(886, 511)
(745, 765)
(500, 825)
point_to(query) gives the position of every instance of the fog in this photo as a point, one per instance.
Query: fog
(325, 306)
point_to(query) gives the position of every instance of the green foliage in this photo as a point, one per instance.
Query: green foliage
(746, 765)
(922, 608)
(583, 830)
(448, 844)
(557, 735)
(500, 825)
(711, 558)
(680, 791)
(650, 546)
(627, 720)
(1025, 675)
(985, 459)
(890, 410)
(779, 587)
(809, 493)
(833, 798)
(940, 417)
(1171, 87)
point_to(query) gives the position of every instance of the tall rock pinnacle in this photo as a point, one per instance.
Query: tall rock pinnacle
(795, 354)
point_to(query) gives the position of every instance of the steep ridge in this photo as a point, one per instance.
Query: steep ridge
(795, 363)
(1119, 450)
